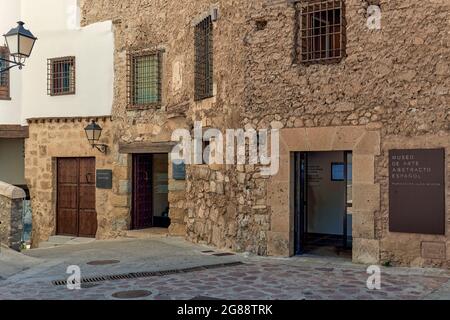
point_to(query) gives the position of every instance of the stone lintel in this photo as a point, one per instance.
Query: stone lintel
(146, 147)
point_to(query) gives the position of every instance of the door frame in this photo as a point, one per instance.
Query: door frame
(133, 189)
(300, 201)
(300, 166)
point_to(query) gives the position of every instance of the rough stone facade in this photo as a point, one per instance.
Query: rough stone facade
(208, 207)
(394, 81)
(11, 211)
(51, 139)
(392, 90)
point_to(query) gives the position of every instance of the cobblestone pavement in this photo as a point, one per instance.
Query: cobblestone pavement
(256, 279)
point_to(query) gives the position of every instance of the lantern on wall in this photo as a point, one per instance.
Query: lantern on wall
(20, 43)
(93, 133)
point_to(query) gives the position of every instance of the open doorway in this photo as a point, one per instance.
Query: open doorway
(323, 203)
(150, 207)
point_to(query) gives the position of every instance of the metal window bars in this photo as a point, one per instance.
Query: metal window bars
(204, 59)
(4, 76)
(322, 31)
(61, 76)
(144, 75)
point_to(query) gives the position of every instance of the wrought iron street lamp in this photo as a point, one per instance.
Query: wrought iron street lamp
(20, 43)
(93, 134)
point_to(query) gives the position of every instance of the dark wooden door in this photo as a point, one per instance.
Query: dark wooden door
(76, 214)
(142, 192)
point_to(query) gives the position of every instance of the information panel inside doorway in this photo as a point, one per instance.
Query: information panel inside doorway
(417, 191)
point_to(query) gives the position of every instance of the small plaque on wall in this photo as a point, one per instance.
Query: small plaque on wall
(104, 179)
(179, 171)
(417, 191)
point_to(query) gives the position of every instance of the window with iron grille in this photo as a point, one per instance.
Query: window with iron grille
(322, 36)
(4, 76)
(61, 76)
(204, 59)
(144, 79)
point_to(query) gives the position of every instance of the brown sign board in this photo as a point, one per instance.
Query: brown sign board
(417, 191)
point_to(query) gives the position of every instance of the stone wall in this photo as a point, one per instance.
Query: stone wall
(412, 249)
(394, 81)
(58, 138)
(171, 29)
(11, 210)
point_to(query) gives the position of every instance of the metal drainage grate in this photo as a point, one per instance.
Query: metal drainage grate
(103, 262)
(136, 275)
(133, 294)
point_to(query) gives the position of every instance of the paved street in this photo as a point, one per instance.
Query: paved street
(308, 278)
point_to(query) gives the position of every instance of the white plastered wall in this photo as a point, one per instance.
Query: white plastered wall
(56, 24)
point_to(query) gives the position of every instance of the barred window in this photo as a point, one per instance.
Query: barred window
(4, 76)
(322, 36)
(61, 76)
(144, 79)
(204, 59)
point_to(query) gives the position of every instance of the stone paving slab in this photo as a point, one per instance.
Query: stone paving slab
(12, 262)
(134, 256)
(252, 281)
(259, 278)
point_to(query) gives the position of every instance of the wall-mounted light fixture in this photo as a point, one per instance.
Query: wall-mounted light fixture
(93, 134)
(20, 43)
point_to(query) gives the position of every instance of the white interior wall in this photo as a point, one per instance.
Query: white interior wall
(325, 197)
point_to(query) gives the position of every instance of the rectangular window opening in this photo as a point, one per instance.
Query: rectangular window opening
(61, 76)
(144, 79)
(204, 59)
(321, 31)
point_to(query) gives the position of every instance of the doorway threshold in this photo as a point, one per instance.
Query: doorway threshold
(148, 233)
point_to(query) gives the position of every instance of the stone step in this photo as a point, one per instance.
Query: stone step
(148, 233)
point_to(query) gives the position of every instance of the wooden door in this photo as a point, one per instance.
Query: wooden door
(142, 191)
(76, 214)
(87, 215)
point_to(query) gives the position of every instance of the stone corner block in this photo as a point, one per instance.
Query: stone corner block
(370, 143)
(11, 192)
(363, 169)
(366, 251)
(277, 244)
(363, 224)
(320, 138)
(366, 196)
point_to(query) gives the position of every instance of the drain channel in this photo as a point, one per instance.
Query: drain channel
(149, 274)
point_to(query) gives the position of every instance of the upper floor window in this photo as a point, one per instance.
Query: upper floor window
(144, 79)
(4, 76)
(61, 76)
(204, 59)
(322, 31)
